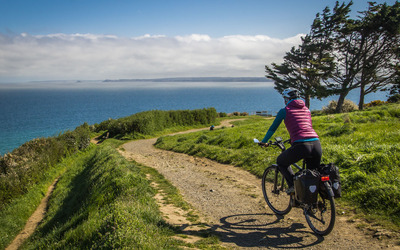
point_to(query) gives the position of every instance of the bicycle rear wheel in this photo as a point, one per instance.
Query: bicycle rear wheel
(274, 186)
(321, 215)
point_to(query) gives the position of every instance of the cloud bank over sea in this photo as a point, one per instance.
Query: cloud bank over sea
(27, 57)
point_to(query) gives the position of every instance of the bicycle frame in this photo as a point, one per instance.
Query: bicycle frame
(283, 178)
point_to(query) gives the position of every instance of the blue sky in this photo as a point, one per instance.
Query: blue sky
(98, 39)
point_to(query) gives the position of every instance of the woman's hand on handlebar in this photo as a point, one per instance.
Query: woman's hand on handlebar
(263, 145)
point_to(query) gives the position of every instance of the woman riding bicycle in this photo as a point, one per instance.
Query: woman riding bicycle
(305, 141)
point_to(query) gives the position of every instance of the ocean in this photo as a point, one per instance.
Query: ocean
(28, 113)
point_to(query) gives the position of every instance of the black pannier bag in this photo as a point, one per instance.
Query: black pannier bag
(334, 177)
(306, 186)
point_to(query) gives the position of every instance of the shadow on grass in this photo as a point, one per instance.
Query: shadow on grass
(71, 212)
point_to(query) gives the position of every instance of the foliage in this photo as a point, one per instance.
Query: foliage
(364, 144)
(222, 114)
(341, 54)
(348, 106)
(307, 67)
(394, 89)
(303, 69)
(366, 51)
(150, 122)
(27, 165)
(394, 98)
(374, 103)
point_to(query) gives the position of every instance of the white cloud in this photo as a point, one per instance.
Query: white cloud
(88, 56)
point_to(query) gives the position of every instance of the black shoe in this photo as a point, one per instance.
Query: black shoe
(290, 190)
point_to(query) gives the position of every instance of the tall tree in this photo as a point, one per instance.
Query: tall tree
(366, 52)
(342, 54)
(302, 69)
(308, 67)
(380, 36)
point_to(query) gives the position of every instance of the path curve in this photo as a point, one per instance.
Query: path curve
(230, 199)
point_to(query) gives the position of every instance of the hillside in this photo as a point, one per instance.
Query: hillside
(102, 200)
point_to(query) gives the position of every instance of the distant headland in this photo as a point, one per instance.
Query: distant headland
(195, 79)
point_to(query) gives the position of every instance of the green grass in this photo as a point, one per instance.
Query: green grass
(15, 214)
(364, 144)
(150, 123)
(104, 201)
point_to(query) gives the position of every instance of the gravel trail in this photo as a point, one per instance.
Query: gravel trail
(231, 201)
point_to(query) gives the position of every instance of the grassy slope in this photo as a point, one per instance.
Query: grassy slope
(365, 145)
(14, 214)
(104, 201)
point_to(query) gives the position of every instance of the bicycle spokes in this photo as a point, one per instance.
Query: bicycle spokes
(273, 185)
(321, 216)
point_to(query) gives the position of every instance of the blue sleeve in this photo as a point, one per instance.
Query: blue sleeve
(278, 120)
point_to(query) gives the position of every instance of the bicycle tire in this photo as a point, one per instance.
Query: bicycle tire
(273, 187)
(318, 214)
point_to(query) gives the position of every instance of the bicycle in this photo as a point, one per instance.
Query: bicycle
(320, 215)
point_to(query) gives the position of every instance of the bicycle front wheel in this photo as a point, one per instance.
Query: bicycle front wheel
(274, 186)
(321, 215)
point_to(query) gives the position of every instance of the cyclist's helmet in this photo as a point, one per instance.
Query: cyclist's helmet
(290, 94)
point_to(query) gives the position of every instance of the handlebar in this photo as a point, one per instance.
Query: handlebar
(279, 142)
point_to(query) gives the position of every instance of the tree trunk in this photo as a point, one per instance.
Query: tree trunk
(340, 102)
(307, 101)
(362, 95)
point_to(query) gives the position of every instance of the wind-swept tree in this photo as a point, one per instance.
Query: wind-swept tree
(380, 33)
(342, 54)
(299, 70)
(366, 52)
(309, 67)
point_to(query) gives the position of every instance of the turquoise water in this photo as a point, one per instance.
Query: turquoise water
(26, 114)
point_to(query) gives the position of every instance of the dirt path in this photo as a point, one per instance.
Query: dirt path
(33, 221)
(230, 200)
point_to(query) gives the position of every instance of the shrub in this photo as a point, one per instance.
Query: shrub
(222, 114)
(244, 114)
(150, 122)
(348, 106)
(26, 165)
(374, 103)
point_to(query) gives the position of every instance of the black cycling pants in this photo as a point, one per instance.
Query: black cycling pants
(299, 150)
